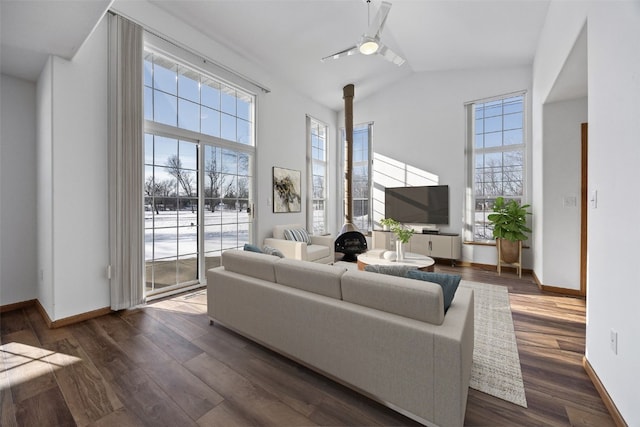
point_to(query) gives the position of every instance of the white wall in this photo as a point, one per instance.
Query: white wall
(562, 27)
(72, 176)
(18, 278)
(421, 122)
(614, 156)
(613, 110)
(44, 173)
(561, 185)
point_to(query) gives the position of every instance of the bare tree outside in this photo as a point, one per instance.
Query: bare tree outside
(157, 192)
(214, 180)
(184, 178)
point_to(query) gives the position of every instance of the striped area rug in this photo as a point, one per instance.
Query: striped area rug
(496, 363)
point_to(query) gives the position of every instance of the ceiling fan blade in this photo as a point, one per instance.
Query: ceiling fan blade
(348, 51)
(375, 28)
(390, 55)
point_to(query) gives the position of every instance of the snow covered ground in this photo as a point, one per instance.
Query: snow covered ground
(170, 235)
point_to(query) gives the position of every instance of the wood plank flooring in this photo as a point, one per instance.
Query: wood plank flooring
(164, 365)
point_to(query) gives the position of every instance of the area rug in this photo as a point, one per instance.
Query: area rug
(496, 363)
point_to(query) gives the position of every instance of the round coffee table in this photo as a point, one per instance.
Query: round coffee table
(421, 262)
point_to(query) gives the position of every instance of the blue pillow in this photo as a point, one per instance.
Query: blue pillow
(252, 248)
(448, 282)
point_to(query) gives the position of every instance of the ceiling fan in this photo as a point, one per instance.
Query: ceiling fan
(369, 43)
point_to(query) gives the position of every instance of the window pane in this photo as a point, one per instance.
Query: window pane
(229, 161)
(211, 94)
(492, 139)
(512, 137)
(148, 149)
(148, 103)
(228, 128)
(513, 105)
(165, 242)
(244, 107)
(165, 75)
(164, 149)
(228, 100)
(188, 155)
(189, 115)
(210, 122)
(493, 124)
(165, 108)
(513, 121)
(188, 85)
(244, 132)
(243, 164)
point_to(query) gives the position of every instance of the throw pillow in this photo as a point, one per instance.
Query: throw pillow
(252, 248)
(448, 282)
(272, 251)
(298, 235)
(392, 270)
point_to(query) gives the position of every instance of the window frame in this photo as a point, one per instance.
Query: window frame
(322, 129)
(369, 167)
(203, 141)
(472, 200)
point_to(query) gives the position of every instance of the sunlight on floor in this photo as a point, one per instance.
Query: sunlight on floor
(22, 363)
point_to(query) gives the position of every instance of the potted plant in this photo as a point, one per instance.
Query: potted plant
(509, 221)
(403, 235)
(387, 223)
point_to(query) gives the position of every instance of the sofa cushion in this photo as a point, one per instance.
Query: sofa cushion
(393, 270)
(322, 279)
(297, 235)
(316, 252)
(397, 295)
(260, 266)
(449, 283)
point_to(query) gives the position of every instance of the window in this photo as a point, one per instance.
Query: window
(199, 148)
(361, 176)
(497, 165)
(317, 134)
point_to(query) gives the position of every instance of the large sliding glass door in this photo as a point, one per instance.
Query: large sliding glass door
(199, 149)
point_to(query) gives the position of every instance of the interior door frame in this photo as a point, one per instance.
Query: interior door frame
(584, 155)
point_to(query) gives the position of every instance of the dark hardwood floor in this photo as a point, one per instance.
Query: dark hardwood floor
(164, 365)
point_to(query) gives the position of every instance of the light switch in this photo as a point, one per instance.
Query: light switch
(593, 199)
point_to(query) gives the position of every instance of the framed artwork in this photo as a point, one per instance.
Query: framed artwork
(287, 194)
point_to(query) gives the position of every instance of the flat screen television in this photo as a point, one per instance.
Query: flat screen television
(418, 205)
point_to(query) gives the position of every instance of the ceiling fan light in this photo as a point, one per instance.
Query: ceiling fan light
(369, 47)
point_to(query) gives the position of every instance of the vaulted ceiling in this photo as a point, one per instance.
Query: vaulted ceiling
(289, 37)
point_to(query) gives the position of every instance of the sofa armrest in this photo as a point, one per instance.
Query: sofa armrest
(289, 248)
(327, 240)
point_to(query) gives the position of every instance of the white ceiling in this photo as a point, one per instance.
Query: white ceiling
(31, 30)
(288, 37)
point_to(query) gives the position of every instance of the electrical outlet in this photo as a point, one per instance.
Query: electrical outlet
(613, 341)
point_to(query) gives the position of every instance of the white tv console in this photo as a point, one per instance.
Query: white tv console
(442, 245)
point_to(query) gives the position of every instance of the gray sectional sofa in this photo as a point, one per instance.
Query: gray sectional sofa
(384, 336)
